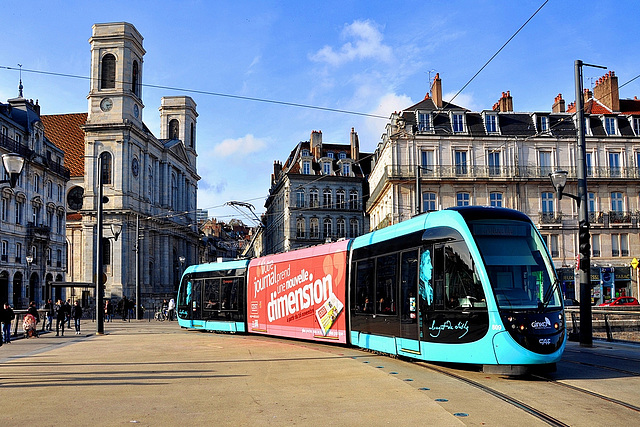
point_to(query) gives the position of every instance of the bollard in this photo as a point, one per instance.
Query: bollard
(608, 327)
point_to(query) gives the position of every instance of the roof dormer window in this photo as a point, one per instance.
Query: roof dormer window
(636, 125)
(330, 154)
(424, 122)
(491, 123)
(306, 167)
(305, 153)
(611, 125)
(457, 122)
(543, 124)
(326, 168)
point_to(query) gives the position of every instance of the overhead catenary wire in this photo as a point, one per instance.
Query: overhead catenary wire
(211, 93)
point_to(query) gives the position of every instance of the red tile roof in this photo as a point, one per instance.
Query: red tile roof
(64, 131)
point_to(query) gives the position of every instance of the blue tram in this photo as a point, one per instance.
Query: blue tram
(473, 285)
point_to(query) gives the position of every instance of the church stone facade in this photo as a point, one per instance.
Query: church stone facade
(150, 182)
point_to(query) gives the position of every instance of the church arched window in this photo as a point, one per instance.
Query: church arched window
(174, 191)
(108, 72)
(106, 168)
(134, 79)
(174, 129)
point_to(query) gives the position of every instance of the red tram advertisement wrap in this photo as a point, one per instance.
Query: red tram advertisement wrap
(300, 294)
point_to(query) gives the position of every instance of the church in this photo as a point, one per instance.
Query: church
(149, 184)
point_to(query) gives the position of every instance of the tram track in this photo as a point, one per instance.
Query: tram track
(589, 392)
(543, 416)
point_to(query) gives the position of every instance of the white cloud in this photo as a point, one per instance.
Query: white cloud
(245, 145)
(374, 127)
(464, 100)
(364, 41)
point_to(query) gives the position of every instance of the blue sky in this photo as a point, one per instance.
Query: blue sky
(367, 57)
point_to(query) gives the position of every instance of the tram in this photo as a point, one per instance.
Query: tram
(470, 285)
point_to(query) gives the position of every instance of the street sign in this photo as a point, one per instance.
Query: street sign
(634, 263)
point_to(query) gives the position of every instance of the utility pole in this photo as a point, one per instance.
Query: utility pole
(99, 266)
(584, 238)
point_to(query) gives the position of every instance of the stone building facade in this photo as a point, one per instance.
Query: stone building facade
(150, 182)
(32, 215)
(435, 154)
(316, 196)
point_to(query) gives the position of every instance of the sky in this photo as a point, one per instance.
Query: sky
(365, 58)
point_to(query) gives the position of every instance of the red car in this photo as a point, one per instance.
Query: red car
(620, 301)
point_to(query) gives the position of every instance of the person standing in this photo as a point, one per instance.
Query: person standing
(67, 309)
(172, 308)
(108, 311)
(49, 314)
(61, 317)
(33, 310)
(76, 313)
(125, 307)
(6, 317)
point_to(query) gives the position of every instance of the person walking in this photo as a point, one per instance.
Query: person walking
(6, 317)
(61, 317)
(76, 313)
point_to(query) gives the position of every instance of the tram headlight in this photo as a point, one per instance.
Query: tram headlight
(555, 325)
(521, 327)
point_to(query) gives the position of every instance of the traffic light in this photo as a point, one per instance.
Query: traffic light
(584, 244)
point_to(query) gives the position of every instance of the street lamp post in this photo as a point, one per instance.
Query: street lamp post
(13, 165)
(29, 260)
(559, 180)
(116, 229)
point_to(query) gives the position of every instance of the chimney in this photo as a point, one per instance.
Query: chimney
(558, 104)
(436, 91)
(355, 145)
(277, 168)
(587, 96)
(606, 91)
(505, 103)
(316, 144)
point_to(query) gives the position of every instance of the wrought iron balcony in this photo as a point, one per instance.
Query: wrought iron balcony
(550, 218)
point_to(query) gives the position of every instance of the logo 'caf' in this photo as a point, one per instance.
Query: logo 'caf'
(544, 341)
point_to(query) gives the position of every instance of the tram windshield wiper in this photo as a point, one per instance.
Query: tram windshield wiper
(548, 295)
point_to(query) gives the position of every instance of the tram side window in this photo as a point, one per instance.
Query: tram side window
(386, 284)
(364, 295)
(229, 294)
(211, 294)
(463, 288)
(456, 283)
(409, 280)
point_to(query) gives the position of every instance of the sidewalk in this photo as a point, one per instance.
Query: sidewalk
(154, 373)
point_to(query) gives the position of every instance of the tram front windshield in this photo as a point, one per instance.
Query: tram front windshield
(518, 265)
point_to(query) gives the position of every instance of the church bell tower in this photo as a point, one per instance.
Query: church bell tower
(116, 74)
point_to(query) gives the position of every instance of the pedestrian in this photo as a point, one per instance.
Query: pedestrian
(6, 317)
(108, 311)
(49, 314)
(33, 310)
(172, 308)
(67, 309)
(76, 313)
(61, 317)
(125, 307)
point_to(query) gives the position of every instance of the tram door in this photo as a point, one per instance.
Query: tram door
(195, 303)
(409, 310)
